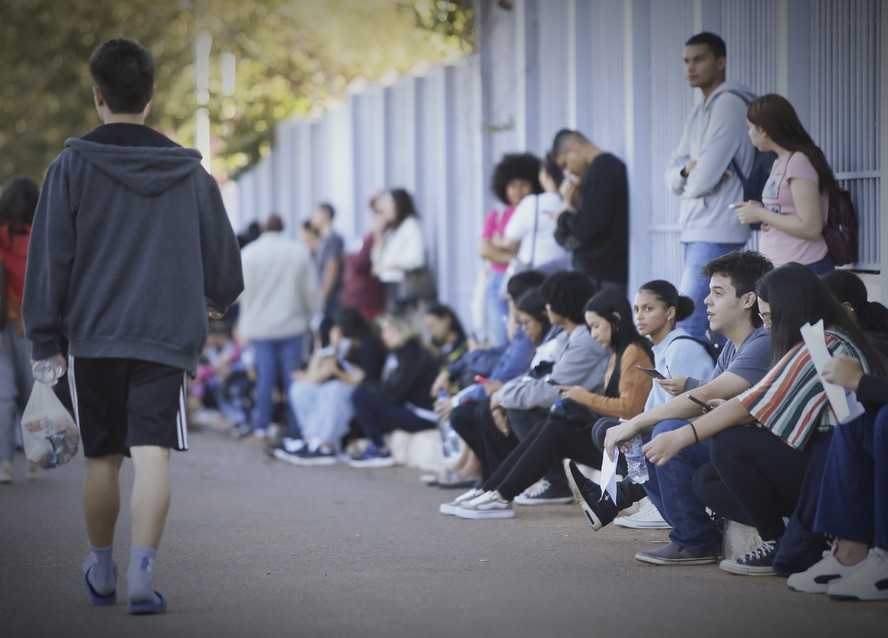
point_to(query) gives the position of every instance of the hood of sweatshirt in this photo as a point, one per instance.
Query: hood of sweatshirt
(732, 87)
(146, 170)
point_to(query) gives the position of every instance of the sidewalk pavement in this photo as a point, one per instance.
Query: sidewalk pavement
(255, 547)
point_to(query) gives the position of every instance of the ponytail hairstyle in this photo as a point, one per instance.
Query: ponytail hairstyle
(848, 289)
(668, 294)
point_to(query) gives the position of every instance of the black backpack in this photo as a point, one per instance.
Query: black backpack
(754, 183)
(840, 230)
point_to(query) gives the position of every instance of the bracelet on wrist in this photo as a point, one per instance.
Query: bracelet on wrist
(694, 430)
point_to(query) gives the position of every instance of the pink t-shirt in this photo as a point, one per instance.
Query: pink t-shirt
(776, 245)
(495, 224)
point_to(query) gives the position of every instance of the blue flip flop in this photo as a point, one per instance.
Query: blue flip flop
(156, 606)
(95, 597)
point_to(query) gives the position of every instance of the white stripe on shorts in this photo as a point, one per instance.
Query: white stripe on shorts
(181, 417)
(72, 386)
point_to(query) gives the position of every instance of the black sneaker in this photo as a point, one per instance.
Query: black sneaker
(320, 456)
(599, 511)
(674, 554)
(544, 493)
(758, 562)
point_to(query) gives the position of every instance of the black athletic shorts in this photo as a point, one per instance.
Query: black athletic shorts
(120, 403)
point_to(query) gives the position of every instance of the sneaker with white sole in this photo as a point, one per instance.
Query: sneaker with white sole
(758, 562)
(372, 456)
(6, 475)
(543, 493)
(487, 505)
(449, 509)
(870, 582)
(599, 511)
(818, 578)
(647, 517)
(675, 554)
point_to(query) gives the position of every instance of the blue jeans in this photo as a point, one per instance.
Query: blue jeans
(674, 497)
(694, 285)
(275, 360)
(323, 410)
(823, 266)
(854, 492)
(495, 309)
(377, 416)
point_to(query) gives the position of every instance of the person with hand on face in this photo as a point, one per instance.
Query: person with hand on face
(594, 223)
(514, 178)
(733, 312)
(795, 201)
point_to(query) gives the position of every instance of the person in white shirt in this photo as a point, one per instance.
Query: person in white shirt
(280, 296)
(399, 246)
(530, 234)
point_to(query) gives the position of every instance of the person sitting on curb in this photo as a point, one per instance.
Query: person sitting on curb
(733, 312)
(768, 469)
(853, 502)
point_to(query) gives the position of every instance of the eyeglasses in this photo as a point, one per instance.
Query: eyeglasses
(766, 319)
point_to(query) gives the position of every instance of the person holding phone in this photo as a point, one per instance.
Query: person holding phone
(657, 308)
(732, 310)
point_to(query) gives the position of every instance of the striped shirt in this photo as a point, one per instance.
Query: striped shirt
(790, 400)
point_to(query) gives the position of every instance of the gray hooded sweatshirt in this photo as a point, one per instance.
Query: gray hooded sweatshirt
(715, 136)
(129, 246)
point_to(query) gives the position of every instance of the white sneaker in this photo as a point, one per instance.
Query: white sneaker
(870, 582)
(820, 576)
(647, 517)
(449, 509)
(487, 505)
(6, 475)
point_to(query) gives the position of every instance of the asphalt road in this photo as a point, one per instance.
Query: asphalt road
(254, 547)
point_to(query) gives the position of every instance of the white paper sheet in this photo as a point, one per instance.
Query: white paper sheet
(608, 475)
(844, 402)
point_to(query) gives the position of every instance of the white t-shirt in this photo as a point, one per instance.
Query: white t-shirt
(404, 249)
(520, 229)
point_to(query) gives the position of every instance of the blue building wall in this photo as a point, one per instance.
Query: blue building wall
(611, 68)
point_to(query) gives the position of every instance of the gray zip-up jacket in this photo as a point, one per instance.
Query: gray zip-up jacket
(714, 135)
(579, 360)
(129, 246)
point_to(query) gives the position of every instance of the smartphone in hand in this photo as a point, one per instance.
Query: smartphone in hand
(551, 381)
(481, 380)
(704, 406)
(653, 374)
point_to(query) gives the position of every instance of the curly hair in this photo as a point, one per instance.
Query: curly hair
(567, 292)
(524, 166)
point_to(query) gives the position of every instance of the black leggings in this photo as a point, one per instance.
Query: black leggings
(548, 443)
(762, 472)
(474, 423)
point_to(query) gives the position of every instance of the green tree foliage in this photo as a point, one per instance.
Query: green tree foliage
(294, 57)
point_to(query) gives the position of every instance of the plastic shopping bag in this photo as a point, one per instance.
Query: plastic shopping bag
(49, 433)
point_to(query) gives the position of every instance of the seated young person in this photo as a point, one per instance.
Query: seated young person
(870, 316)
(578, 361)
(764, 467)
(732, 311)
(657, 309)
(400, 399)
(445, 330)
(496, 365)
(608, 316)
(853, 500)
(321, 396)
(473, 412)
